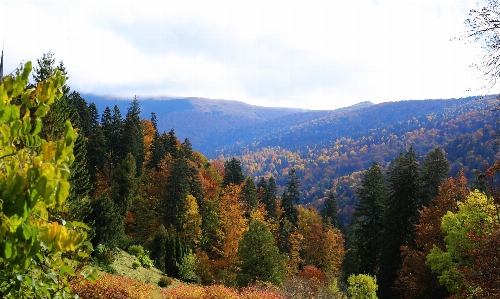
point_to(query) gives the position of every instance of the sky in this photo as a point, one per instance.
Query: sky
(303, 54)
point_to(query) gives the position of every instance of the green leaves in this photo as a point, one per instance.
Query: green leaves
(34, 176)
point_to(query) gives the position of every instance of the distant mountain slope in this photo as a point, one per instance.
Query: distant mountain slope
(197, 118)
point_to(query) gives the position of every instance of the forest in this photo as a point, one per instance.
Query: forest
(405, 218)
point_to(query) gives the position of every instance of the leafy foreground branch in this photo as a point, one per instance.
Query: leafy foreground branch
(38, 255)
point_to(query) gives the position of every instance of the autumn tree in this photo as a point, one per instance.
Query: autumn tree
(459, 261)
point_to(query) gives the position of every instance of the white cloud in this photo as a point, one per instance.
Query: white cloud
(310, 54)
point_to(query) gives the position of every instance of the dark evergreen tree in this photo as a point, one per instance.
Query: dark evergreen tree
(96, 146)
(260, 258)
(170, 143)
(124, 185)
(187, 149)
(158, 249)
(132, 137)
(234, 173)
(366, 230)
(288, 220)
(329, 212)
(248, 196)
(290, 196)
(174, 204)
(112, 124)
(195, 187)
(267, 195)
(157, 149)
(106, 222)
(79, 106)
(399, 217)
(435, 168)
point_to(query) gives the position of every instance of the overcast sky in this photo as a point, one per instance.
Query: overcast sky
(307, 54)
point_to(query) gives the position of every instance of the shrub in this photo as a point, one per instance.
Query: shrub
(187, 266)
(165, 281)
(362, 286)
(136, 250)
(136, 264)
(104, 255)
(112, 287)
(145, 261)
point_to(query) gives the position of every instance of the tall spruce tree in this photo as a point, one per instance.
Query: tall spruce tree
(157, 149)
(124, 185)
(290, 216)
(174, 203)
(269, 200)
(234, 173)
(132, 137)
(96, 146)
(435, 168)
(170, 143)
(367, 225)
(112, 124)
(399, 217)
(329, 212)
(249, 195)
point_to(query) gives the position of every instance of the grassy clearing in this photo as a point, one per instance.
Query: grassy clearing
(123, 265)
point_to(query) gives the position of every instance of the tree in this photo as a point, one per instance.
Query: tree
(474, 221)
(132, 137)
(34, 248)
(158, 150)
(483, 27)
(249, 196)
(96, 146)
(415, 279)
(289, 218)
(106, 222)
(367, 225)
(400, 215)
(432, 173)
(124, 185)
(362, 286)
(329, 212)
(260, 258)
(233, 172)
(266, 194)
(174, 203)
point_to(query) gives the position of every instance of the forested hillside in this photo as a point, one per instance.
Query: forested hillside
(376, 196)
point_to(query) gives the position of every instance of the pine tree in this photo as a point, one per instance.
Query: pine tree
(170, 144)
(106, 222)
(234, 173)
(158, 151)
(112, 124)
(174, 204)
(267, 195)
(329, 212)
(399, 217)
(435, 168)
(79, 106)
(124, 185)
(96, 146)
(249, 196)
(132, 137)
(367, 226)
(288, 220)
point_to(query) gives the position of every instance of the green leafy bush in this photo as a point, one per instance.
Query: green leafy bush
(136, 264)
(136, 250)
(362, 286)
(145, 261)
(104, 255)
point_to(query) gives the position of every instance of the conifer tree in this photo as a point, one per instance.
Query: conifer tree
(288, 220)
(399, 217)
(329, 212)
(435, 168)
(112, 124)
(132, 137)
(124, 185)
(170, 143)
(174, 204)
(266, 193)
(96, 146)
(157, 149)
(367, 226)
(234, 173)
(249, 196)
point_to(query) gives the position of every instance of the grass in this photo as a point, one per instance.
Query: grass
(123, 265)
